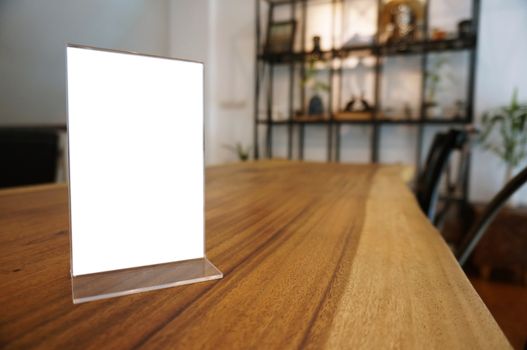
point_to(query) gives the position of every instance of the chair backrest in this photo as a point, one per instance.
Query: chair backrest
(478, 230)
(427, 189)
(28, 156)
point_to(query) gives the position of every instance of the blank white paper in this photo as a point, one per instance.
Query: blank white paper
(135, 128)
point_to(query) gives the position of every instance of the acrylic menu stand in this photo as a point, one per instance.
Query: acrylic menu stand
(135, 128)
(141, 279)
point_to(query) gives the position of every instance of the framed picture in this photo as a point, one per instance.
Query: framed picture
(280, 37)
(401, 21)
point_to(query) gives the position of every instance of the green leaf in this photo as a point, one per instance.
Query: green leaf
(522, 118)
(510, 123)
(514, 102)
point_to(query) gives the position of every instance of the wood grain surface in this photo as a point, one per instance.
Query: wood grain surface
(314, 256)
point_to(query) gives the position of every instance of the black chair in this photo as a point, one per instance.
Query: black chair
(28, 156)
(480, 227)
(427, 188)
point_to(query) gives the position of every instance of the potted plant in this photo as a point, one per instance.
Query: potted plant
(509, 123)
(433, 80)
(316, 106)
(240, 151)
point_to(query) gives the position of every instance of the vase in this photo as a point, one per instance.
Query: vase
(316, 106)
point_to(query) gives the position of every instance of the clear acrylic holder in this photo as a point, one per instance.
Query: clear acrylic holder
(179, 187)
(140, 279)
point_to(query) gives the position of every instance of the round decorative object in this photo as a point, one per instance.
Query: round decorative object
(401, 20)
(465, 29)
(316, 54)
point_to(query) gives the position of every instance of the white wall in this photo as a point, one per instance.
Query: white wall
(221, 34)
(189, 37)
(189, 23)
(33, 35)
(502, 65)
(232, 83)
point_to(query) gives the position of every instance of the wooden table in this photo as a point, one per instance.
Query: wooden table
(314, 256)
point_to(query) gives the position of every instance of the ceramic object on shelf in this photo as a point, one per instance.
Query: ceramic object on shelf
(464, 29)
(433, 110)
(316, 106)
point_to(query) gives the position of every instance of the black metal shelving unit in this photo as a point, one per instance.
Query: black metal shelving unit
(266, 66)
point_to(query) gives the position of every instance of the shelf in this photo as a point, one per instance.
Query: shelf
(354, 116)
(324, 118)
(297, 121)
(274, 122)
(435, 121)
(290, 2)
(427, 46)
(383, 121)
(413, 48)
(337, 72)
